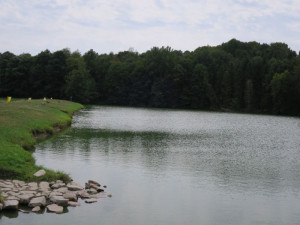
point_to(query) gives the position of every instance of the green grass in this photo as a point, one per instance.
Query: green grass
(20, 122)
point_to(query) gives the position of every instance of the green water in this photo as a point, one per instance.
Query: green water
(177, 167)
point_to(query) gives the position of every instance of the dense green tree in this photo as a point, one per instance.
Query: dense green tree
(242, 76)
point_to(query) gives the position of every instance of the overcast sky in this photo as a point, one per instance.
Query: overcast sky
(32, 26)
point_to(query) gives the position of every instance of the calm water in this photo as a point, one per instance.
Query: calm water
(177, 167)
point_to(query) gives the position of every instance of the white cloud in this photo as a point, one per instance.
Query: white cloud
(104, 25)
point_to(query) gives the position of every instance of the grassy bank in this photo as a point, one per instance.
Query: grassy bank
(21, 123)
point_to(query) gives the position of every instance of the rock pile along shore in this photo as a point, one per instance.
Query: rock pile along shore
(53, 196)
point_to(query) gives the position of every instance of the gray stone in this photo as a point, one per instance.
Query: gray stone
(92, 191)
(32, 184)
(27, 193)
(62, 190)
(39, 173)
(25, 199)
(38, 201)
(58, 185)
(12, 193)
(83, 194)
(72, 186)
(92, 200)
(71, 196)
(94, 182)
(11, 204)
(54, 193)
(5, 189)
(36, 209)
(23, 211)
(12, 198)
(3, 185)
(18, 182)
(59, 200)
(73, 204)
(55, 208)
(44, 185)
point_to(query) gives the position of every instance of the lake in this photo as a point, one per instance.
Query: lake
(177, 167)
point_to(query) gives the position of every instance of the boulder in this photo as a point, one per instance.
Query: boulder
(94, 182)
(38, 201)
(25, 199)
(4, 185)
(54, 193)
(39, 173)
(58, 185)
(72, 186)
(91, 200)
(71, 196)
(11, 204)
(44, 185)
(92, 191)
(23, 211)
(12, 197)
(36, 209)
(62, 190)
(73, 204)
(59, 200)
(6, 189)
(55, 208)
(83, 194)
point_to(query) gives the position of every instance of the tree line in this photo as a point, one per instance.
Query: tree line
(237, 76)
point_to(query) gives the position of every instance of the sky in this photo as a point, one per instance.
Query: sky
(106, 26)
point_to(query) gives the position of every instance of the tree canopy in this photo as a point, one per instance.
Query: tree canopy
(239, 76)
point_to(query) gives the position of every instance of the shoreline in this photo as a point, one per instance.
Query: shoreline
(54, 197)
(22, 124)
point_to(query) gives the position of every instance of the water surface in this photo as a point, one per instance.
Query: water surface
(178, 167)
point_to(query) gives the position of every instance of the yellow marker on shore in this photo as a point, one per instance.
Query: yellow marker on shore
(29, 99)
(8, 99)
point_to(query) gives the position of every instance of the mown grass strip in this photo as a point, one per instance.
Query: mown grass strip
(20, 122)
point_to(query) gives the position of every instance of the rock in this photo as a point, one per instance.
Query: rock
(12, 198)
(27, 193)
(23, 211)
(109, 195)
(59, 200)
(11, 204)
(1, 207)
(92, 191)
(39, 173)
(38, 201)
(5, 189)
(44, 185)
(55, 208)
(62, 190)
(3, 185)
(36, 209)
(83, 194)
(25, 199)
(54, 193)
(104, 186)
(71, 196)
(74, 186)
(94, 182)
(73, 204)
(58, 185)
(91, 200)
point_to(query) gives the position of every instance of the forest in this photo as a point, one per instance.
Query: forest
(234, 76)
